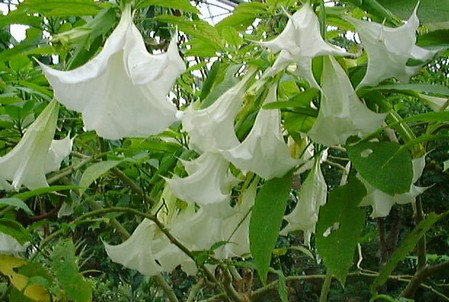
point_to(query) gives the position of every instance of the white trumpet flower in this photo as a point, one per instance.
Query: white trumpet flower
(383, 202)
(209, 180)
(264, 150)
(312, 196)
(9, 245)
(341, 113)
(212, 128)
(123, 91)
(299, 43)
(33, 157)
(389, 49)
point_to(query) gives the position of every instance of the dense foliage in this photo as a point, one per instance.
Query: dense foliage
(294, 151)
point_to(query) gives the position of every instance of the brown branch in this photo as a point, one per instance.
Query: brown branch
(420, 276)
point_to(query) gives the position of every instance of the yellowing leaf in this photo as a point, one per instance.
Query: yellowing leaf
(34, 291)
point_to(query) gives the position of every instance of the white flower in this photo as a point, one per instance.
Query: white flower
(299, 43)
(123, 91)
(219, 223)
(389, 49)
(341, 113)
(59, 149)
(209, 180)
(9, 245)
(150, 252)
(383, 202)
(312, 196)
(434, 102)
(29, 161)
(212, 128)
(264, 150)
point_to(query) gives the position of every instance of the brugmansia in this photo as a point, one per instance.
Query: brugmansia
(389, 49)
(341, 113)
(37, 153)
(263, 151)
(299, 43)
(122, 92)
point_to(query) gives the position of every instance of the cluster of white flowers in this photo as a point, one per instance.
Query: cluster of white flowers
(122, 92)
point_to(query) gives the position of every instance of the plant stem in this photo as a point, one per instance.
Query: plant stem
(421, 246)
(326, 287)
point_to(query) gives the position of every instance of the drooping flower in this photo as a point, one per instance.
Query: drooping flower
(299, 43)
(382, 202)
(312, 196)
(209, 180)
(122, 92)
(212, 128)
(219, 223)
(389, 49)
(341, 113)
(32, 158)
(139, 251)
(434, 102)
(264, 150)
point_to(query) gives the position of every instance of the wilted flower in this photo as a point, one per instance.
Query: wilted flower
(264, 150)
(389, 49)
(383, 202)
(341, 113)
(299, 43)
(123, 90)
(209, 180)
(312, 196)
(212, 128)
(33, 157)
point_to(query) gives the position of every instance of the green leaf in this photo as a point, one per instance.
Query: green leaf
(244, 15)
(385, 165)
(67, 273)
(438, 38)
(61, 8)
(183, 5)
(16, 203)
(405, 248)
(428, 88)
(302, 99)
(14, 229)
(220, 88)
(209, 82)
(266, 220)
(339, 228)
(429, 11)
(28, 194)
(95, 171)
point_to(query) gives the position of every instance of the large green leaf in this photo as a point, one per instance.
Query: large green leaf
(95, 171)
(61, 8)
(16, 203)
(183, 5)
(405, 248)
(67, 273)
(339, 228)
(266, 220)
(429, 11)
(420, 87)
(385, 165)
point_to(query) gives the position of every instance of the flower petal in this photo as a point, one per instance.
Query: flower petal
(341, 113)
(123, 91)
(137, 252)
(299, 43)
(212, 128)
(264, 150)
(209, 180)
(59, 149)
(312, 196)
(389, 49)
(26, 162)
